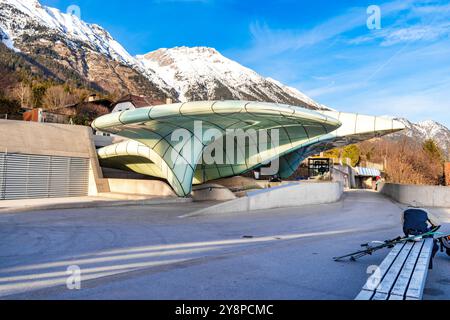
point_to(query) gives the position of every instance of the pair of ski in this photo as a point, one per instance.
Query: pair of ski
(370, 249)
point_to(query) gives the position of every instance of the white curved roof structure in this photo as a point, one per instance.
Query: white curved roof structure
(176, 142)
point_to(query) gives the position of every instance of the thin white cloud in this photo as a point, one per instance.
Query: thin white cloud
(417, 33)
(275, 41)
(422, 21)
(279, 40)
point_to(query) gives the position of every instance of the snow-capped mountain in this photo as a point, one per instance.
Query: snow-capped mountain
(66, 47)
(202, 73)
(25, 13)
(429, 130)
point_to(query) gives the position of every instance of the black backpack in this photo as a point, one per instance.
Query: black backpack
(415, 222)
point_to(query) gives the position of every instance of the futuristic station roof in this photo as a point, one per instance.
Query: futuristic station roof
(156, 149)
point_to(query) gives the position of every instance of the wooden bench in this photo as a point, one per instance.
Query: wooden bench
(402, 275)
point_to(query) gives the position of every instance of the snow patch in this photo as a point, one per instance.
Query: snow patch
(6, 39)
(10, 44)
(429, 129)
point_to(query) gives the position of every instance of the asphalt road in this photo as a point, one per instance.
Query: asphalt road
(151, 253)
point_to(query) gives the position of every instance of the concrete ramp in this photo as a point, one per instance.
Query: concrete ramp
(212, 192)
(290, 195)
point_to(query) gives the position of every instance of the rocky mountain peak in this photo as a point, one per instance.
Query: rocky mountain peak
(203, 73)
(428, 129)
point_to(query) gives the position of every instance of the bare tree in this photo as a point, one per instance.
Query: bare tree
(56, 97)
(22, 92)
(407, 161)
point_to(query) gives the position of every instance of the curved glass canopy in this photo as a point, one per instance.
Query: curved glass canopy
(355, 128)
(177, 142)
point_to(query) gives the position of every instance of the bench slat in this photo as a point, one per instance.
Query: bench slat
(365, 295)
(384, 267)
(380, 296)
(392, 275)
(401, 285)
(417, 283)
(403, 273)
(395, 297)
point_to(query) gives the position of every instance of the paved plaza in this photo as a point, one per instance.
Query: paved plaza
(150, 252)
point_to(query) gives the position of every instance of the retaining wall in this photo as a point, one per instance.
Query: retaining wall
(291, 195)
(141, 187)
(425, 196)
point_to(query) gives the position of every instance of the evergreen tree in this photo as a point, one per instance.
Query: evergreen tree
(353, 153)
(38, 92)
(9, 107)
(433, 150)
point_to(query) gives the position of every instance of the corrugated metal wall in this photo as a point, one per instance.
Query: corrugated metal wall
(25, 176)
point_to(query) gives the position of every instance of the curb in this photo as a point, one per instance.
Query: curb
(94, 204)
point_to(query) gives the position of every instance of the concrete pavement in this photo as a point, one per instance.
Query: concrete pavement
(149, 252)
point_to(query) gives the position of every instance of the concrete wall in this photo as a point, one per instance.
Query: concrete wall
(426, 196)
(141, 187)
(244, 183)
(53, 140)
(44, 139)
(292, 195)
(342, 174)
(110, 173)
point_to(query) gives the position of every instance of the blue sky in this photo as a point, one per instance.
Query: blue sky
(323, 48)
